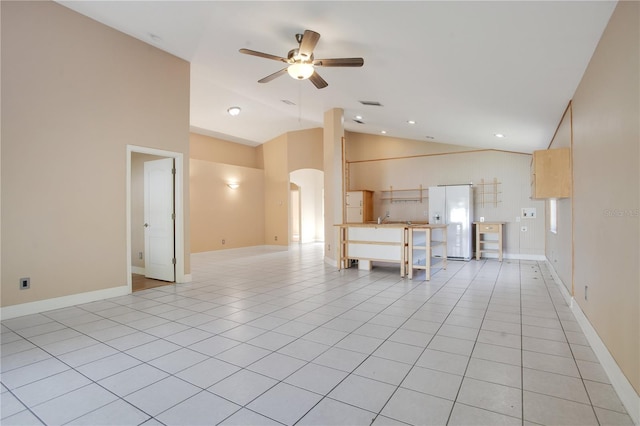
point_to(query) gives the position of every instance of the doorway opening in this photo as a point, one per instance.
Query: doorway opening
(155, 222)
(306, 214)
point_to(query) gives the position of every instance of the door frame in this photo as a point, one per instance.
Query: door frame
(179, 209)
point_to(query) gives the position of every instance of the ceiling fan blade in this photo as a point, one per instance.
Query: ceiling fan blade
(263, 55)
(339, 62)
(309, 41)
(318, 81)
(273, 76)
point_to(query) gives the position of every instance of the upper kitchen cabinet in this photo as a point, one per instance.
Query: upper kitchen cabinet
(551, 173)
(359, 206)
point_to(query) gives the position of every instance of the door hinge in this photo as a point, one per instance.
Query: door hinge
(173, 171)
(173, 260)
(173, 216)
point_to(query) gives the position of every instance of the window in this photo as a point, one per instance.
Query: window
(553, 215)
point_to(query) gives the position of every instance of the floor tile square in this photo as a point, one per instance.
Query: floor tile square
(400, 352)
(243, 386)
(592, 371)
(277, 366)
(243, 355)
(152, 350)
(496, 353)
(341, 359)
(465, 415)
(178, 360)
(214, 345)
(495, 372)
(271, 340)
(417, 408)
(452, 345)
(32, 372)
(316, 378)
(284, 403)
(432, 382)
(207, 372)
(203, 408)
(383, 370)
(492, 397)
(357, 343)
(363, 393)
(74, 404)
(330, 412)
(304, 349)
(544, 409)
(118, 412)
(246, 417)
(557, 385)
(51, 387)
(604, 396)
(550, 363)
(156, 398)
(325, 336)
(443, 361)
(133, 379)
(607, 417)
(410, 337)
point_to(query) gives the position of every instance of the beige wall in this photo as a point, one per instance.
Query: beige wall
(558, 247)
(221, 213)
(510, 169)
(216, 150)
(607, 189)
(276, 191)
(305, 149)
(74, 94)
(362, 146)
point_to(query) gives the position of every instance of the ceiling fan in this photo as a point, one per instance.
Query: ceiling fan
(301, 63)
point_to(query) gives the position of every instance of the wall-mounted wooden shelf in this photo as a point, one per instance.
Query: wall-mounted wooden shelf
(404, 195)
(488, 194)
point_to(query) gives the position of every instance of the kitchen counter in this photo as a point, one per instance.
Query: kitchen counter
(385, 242)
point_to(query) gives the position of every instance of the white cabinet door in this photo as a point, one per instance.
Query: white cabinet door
(354, 199)
(354, 215)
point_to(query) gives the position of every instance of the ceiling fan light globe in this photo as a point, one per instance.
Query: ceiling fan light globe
(300, 71)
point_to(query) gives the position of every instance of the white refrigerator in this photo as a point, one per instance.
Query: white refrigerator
(453, 205)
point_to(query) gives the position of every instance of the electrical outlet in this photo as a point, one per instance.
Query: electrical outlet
(224, 241)
(523, 228)
(328, 247)
(275, 238)
(25, 283)
(586, 290)
(481, 218)
(140, 255)
(529, 213)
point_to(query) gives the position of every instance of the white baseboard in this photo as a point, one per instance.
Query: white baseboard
(628, 396)
(540, 257)
(331, 262)
(29, 308)
(186, 278)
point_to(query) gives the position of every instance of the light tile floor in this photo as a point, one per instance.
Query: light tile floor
(264, 336)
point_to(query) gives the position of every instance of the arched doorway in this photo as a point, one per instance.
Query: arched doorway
(308, 216)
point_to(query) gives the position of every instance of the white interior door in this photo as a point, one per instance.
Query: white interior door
(159, 217)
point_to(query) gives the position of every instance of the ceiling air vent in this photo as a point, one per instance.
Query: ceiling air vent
(371, 103)
(287, 101)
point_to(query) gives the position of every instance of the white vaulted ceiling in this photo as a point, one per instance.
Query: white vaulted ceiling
(463, 71)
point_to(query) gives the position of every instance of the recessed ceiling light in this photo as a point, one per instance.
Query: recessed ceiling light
(233, 111)
(411, 121)
(499, 135)
(358, 117)
(384, 132)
